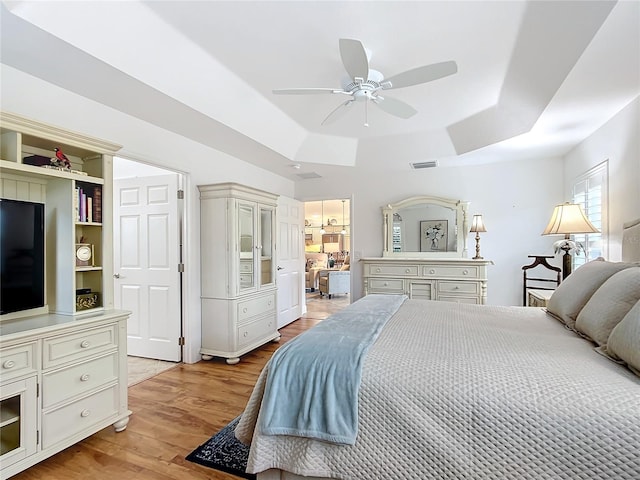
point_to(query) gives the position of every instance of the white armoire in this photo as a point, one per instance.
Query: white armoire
(237, 243)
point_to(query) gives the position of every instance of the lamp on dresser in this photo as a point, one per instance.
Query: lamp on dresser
(477, 226)
(568, 219)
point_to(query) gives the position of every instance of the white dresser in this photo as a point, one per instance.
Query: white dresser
(445, 279)
(63, 378)
(237, 226)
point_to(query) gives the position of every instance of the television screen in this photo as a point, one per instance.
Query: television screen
(21, 255)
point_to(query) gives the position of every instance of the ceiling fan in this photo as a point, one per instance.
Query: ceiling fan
(366, 84)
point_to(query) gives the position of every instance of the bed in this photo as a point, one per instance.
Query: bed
(456, 391)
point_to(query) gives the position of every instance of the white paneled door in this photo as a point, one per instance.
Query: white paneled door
(290, 255)
(146, 257)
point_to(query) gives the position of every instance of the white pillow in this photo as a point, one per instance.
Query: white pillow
(609, 304)
(576, 290)
(624, 341)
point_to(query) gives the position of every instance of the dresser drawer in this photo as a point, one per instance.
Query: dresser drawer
(254, 331)
(450, 271)
(380, 270)
(18, 360)
(386, 285)
(256, 306)
(78, 379)
(79, 345)
(454, 299)
(459, 288)
(75, 417)
(421, 290)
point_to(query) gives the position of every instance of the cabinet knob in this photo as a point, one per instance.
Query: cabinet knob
(269, 303)
(432, 271)
(85, 344)
(245, 334)
(465, 272)
(377, 270)
(9, 364)
(244, 310)
(457, 287)
(386, 284)
(84, 377)
(85, 413)
(407, 271)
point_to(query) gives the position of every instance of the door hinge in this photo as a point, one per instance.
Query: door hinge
(37, 390)
(37, 437)
(181, 341)
(181, 268)
(180, 194)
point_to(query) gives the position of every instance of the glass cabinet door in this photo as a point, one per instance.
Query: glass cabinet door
(247, 252)
(266, 246)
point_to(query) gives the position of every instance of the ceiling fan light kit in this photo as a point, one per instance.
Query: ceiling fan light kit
(364, 84)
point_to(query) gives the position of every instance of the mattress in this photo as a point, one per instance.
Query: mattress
(455, 391)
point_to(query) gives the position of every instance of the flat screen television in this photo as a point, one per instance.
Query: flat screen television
(21, 255)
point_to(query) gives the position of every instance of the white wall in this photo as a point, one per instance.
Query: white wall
(33, 98)
(515, 198)
(619, 142)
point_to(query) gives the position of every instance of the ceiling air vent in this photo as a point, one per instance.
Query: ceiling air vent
(307, 176)
(419, 165)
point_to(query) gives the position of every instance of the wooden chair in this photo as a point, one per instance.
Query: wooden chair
(538, 282)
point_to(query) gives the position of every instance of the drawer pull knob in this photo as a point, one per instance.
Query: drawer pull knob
(432, 271)
(245, 334)
(85, 344)
(465, 272)
(85, 413)
(9, 364)
(407, 270)
(269, 303)
(244, 310)
(377, 270)
(457, 287)
(84, 377)
(386, 284)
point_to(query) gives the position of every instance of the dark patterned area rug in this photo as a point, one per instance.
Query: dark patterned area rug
(224, 452)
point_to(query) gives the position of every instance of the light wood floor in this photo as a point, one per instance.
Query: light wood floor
(173, 413)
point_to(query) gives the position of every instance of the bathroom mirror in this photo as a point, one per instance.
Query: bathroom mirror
(425, 227)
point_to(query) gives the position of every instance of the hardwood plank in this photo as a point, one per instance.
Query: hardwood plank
(173, 413)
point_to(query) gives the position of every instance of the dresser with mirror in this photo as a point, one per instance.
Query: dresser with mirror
(425, 253)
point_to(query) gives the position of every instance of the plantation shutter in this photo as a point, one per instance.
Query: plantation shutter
(590, 191)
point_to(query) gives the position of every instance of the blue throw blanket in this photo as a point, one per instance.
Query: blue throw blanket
(313, 380)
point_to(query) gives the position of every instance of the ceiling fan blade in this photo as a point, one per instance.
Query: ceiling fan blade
(306, 91)
(395, 107)
(424, 74)
(354, 58)
(337, 112)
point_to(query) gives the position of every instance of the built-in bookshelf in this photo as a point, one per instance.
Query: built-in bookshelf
(76, 203)
(44, 406)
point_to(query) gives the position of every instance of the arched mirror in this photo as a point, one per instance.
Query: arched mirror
(425, 227)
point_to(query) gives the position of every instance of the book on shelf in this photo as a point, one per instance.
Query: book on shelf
(97, 204)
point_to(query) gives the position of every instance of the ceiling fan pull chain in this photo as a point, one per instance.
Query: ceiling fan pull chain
(366, 113)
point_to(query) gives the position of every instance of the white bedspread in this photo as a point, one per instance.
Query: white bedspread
(474, 392)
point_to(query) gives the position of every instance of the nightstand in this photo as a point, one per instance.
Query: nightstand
(538, 297)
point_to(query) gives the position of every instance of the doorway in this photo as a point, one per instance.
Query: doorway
(148, 215)
(327, 239)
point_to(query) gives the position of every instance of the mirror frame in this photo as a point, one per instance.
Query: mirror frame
(461, 210)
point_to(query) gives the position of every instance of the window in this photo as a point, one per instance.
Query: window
(590, 191)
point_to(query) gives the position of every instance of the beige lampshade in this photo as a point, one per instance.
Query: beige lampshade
(569, 218)
(477, 225)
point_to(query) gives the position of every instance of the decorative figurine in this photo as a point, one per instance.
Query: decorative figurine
(61, 160)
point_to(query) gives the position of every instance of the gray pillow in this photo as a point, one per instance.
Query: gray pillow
(574, 291)
(609, 304)
(624, 341)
